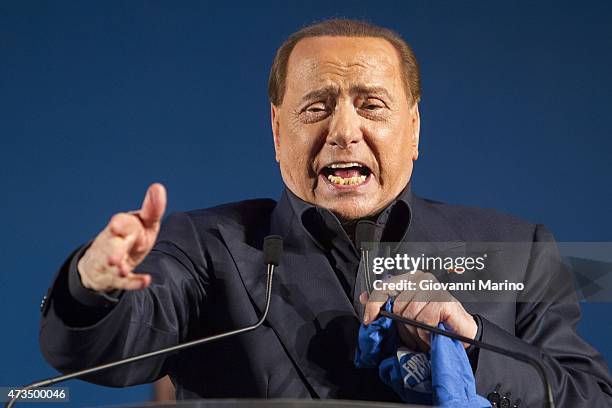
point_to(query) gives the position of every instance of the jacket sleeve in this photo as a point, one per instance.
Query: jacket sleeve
(546, 331)
(75, 334)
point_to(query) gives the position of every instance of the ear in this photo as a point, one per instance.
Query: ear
(275, 126)
(416, 130)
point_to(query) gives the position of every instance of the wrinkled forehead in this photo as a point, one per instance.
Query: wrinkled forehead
(344, 63)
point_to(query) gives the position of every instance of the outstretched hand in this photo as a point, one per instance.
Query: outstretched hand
(109, 262)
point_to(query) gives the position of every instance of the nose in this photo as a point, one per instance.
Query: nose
(344, 127)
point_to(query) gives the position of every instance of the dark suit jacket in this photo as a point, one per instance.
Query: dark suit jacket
(209, 277)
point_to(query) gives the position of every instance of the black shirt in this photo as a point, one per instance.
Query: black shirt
(337, 240)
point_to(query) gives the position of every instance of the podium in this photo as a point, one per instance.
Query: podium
(270, 403)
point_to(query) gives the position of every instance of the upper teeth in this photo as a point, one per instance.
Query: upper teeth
(344, 165)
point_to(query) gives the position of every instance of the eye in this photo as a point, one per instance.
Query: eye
(373, 104)
(315, 112)
(316, 107)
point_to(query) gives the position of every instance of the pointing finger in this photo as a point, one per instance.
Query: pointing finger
(153, 205)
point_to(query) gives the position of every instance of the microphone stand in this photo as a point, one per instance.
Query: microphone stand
(512, 354)
(54, 380)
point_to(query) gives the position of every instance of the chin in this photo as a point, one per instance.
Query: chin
(351, 211)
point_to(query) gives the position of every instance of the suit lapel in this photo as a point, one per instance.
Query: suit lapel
(309, 310)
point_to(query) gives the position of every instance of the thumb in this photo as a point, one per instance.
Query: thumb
(153, 205)
(372, 309)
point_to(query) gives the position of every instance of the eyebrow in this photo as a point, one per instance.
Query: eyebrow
(328, 91)
(322, 93)
(370, 90)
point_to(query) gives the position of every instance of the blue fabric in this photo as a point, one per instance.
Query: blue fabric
(441, 377)
(376, 341)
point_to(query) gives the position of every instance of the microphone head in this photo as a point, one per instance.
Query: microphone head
(272, 249)
(365, 231)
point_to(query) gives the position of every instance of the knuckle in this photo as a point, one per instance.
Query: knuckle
(422, 297)
(377, 296)
(446, 297)
(429, 316)
(399, 306)
(412, 309)
(399, 278)
(404, 296)
(123, 218)
(429, 276)
(116, 219)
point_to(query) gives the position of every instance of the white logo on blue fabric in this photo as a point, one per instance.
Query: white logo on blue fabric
(416, 370)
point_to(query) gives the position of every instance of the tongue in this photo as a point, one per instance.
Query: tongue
(346, 173)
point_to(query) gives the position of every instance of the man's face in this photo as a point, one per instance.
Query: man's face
(346, 134)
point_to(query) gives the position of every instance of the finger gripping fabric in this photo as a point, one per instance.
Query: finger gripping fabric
(442, 377)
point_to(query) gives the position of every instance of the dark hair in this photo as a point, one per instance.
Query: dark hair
(343, 28)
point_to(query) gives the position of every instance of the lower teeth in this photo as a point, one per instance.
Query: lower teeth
(346, 181)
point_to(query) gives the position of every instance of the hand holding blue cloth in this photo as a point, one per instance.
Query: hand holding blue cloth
(442, 377)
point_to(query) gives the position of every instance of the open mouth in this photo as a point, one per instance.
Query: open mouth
(346, 174)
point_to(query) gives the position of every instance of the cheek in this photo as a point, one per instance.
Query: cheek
(295, 154)
(295, 162)
(290, 143)
(394, 150)
(299, 145)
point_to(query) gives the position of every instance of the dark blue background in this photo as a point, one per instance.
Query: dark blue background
(98, 101)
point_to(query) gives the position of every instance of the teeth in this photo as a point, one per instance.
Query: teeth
(344, 165)
(347, 181)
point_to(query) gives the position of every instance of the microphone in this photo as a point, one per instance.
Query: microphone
(272, 251)
(537, 365)
(365, 231)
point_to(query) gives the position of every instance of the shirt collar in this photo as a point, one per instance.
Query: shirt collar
(324, 227)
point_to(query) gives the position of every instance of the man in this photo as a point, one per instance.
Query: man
(344, 110)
